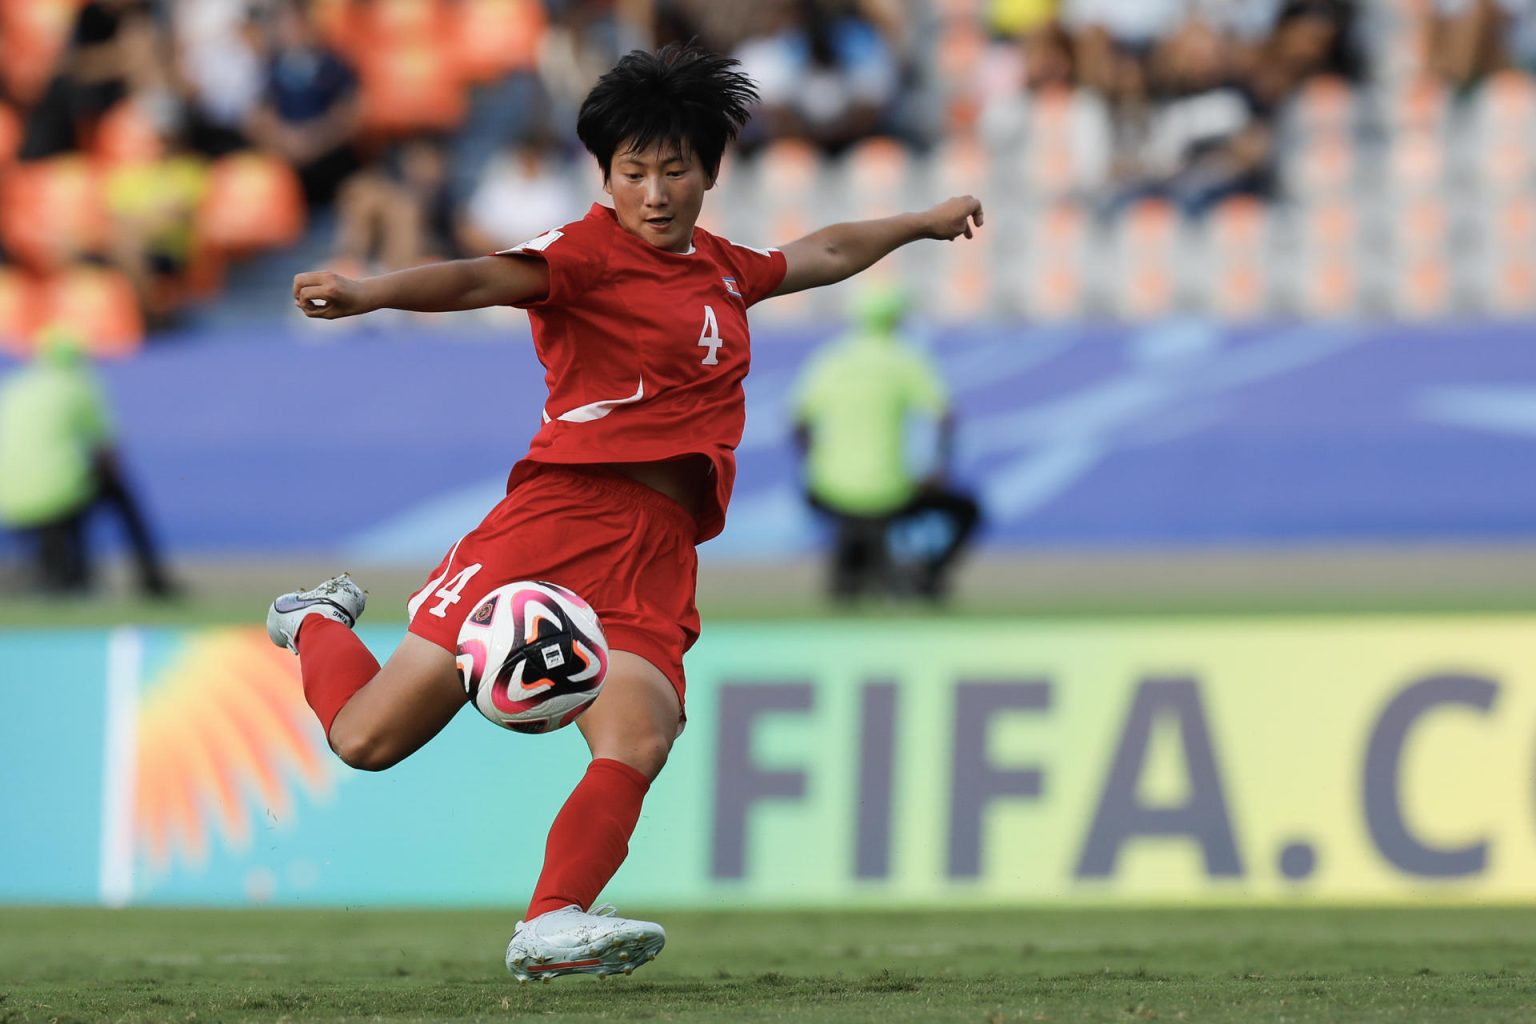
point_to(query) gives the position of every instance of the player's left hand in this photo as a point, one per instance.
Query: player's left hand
(953, 218)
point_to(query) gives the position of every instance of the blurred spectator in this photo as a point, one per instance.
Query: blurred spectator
(58, 463)
(525, 191)
(219, 50)
(153, 204)
(114, 44)
(1208, 138)
(308, 113)
(853, 406)
(825, 73)
(1471, 39)
(397, 212)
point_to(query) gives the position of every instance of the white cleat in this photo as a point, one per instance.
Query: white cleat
(571, 941)
(338, 599)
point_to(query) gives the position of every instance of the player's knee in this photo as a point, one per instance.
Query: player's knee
(364, 749)
(646, 754)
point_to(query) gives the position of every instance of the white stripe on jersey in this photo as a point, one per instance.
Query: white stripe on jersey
(597, 410)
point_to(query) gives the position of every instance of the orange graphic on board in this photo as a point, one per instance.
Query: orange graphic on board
(224, 735)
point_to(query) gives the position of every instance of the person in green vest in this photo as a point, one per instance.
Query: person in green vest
(853, 405)
(58, 463)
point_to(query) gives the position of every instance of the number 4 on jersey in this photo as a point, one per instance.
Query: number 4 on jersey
(710, 337)
(449, 592)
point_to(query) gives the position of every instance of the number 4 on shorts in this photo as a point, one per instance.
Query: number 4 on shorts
(450, 591)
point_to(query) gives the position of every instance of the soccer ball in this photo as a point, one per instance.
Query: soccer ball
(532, 656)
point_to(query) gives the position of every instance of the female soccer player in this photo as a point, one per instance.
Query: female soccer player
(639, 319)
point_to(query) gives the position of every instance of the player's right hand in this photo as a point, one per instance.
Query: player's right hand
(322, 295)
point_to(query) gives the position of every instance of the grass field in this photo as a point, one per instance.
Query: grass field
(990, 967)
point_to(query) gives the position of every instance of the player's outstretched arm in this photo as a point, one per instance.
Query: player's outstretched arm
(430, 288)
(842, 250)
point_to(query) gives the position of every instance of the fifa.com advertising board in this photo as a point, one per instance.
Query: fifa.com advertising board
(1387, 759)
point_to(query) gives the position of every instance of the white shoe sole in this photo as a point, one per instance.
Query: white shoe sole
(618, 955)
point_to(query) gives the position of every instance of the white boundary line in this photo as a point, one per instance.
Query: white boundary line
(125, 658)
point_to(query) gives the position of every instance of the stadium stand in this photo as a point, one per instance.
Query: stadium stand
(1383, 181)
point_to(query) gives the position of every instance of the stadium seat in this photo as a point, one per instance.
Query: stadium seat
(875, 177)
(253, 202)
(388, 23)
(961, 165)
(1506, 103)
(1235, 280)
(52, 211)
(1420, 105)
(495, 37)
(19, 311)
(125, 134)
(1421, 225)
(32, 35)
(98, 304)
(1326, 273)
(1416, 163)
(409, 87)
(1146, 253)
(788, 171)
(1422, 285)
(10, 134)
(964, 277)
(339, 23)
(1322, 166)
(1325, 105)
(1054, 260)
(961, 48)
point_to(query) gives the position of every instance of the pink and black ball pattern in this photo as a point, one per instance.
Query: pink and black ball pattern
(532, 656)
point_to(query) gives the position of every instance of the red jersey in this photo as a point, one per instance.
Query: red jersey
(644, 351)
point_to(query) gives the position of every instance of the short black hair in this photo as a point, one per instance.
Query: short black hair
(679, 94)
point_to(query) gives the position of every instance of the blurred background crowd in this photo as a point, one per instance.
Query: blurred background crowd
(1138, 157)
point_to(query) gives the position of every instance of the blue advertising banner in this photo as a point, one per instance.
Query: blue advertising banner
(1177, 433)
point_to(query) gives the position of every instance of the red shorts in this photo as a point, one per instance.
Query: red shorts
(627, 549)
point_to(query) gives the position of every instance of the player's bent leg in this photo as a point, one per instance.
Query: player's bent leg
(415, 694)
(636, 718)
(629, 729)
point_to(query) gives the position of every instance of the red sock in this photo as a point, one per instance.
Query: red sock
(590, 836)
(334, 664)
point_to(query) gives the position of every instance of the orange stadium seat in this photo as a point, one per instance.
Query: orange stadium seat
(1323, 166)
(962, 47)
(965, 274)
(1324, 105)
(339, 23)
(1419, 106)
(410, 87)
(875, 176)
(788, 171)
(19, 311)
(98, 304)
(32, 35)
(1507, 102)
(10, 134)
(126, 135)
(1236, 281)
(494, 37)
(52, 211)
(1422, 288)
(961, 166)
(1422, 225)
(1329, 287)
(1416, 164)
(1054, 259)
(391, 22)
(253, 202)
(1147, 241)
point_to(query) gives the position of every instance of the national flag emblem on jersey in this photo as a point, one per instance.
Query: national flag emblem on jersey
(730, 286)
